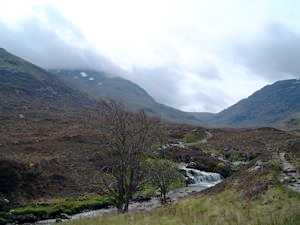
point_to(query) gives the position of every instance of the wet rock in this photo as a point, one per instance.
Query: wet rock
(188, 180)
(142, 199)
(292, 180)
(256, 168)
(211, 164)
(58, 220)
(285, 179)
(64, 216)
(259, 165)
(289, 170)
(191, 165)
(29, 218)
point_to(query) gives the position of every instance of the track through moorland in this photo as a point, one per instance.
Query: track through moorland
(290, 176)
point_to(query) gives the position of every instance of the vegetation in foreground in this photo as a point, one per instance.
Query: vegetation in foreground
(276, 207)
(252, 196)
(62, 207)
(54, 209)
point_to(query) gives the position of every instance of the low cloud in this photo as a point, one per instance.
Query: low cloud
(273, 54)
(192, 61)
(52, 42)
(180, 88)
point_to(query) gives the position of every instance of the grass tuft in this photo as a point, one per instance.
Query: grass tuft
(59, 206)
(276, 207)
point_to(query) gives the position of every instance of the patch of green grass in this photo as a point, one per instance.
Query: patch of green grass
(276, 207)
(191, 138)
(149, 190)
(69, 206)
(235, 156)
(3, 218)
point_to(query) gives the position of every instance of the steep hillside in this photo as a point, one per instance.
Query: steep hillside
(270, 106)
(292, 122)
(99, 84)
(25, 87)
(275, 105)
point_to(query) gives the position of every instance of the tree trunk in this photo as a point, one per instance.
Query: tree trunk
(126, 207)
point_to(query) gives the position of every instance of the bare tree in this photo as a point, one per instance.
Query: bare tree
(162, 174)
(129, 138)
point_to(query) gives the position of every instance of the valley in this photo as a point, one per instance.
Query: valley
(76, 149)
(64, 157)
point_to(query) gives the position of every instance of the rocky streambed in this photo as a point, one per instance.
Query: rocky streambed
(199, 181)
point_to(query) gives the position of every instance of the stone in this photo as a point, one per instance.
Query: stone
(58, 220)
(64, 216)
(289, 170)
(285, 179)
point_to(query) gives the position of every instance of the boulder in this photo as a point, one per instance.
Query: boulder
(28, 218)
(64, 216)
(58, 220)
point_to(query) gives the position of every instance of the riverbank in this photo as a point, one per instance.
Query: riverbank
(253, 196)
(276, 207)
(58, 208)
(72, 209)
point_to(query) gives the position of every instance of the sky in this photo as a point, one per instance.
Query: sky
(194, 55)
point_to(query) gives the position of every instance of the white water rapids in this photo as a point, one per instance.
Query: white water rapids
(200, 181)
(201, 178)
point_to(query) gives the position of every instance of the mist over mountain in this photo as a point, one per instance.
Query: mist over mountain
(101, 85)
(149, 112)
(199, 70)
(26, 86)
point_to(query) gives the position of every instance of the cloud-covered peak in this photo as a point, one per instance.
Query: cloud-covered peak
(194, 55)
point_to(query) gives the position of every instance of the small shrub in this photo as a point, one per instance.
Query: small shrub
(191, 138)
(67, 206)
(10, 177)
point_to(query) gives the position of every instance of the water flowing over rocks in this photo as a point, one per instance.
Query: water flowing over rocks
(199, 178)
(200, 181)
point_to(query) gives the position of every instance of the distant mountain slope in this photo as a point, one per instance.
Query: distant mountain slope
(25, 87)
(270, 106)
(99, 84)
(292, 122)
(204, 117)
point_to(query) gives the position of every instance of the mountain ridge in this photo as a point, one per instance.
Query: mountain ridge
(98, 85)
(269, 106)
(26, 87)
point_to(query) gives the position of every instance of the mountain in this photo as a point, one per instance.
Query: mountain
(25, 88)
(204, 117)
(99, 85)
(274, 105)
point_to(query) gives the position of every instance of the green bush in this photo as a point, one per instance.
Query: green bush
(68, 206)
(10, 177)
(4, 218)
(191, 138)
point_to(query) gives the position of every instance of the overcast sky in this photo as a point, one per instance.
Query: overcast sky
(195, 55)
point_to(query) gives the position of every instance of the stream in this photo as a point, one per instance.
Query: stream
(200, 181)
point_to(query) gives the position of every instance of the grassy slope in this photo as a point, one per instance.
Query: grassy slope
(276, 206)
(250, 197)
(58, 206)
